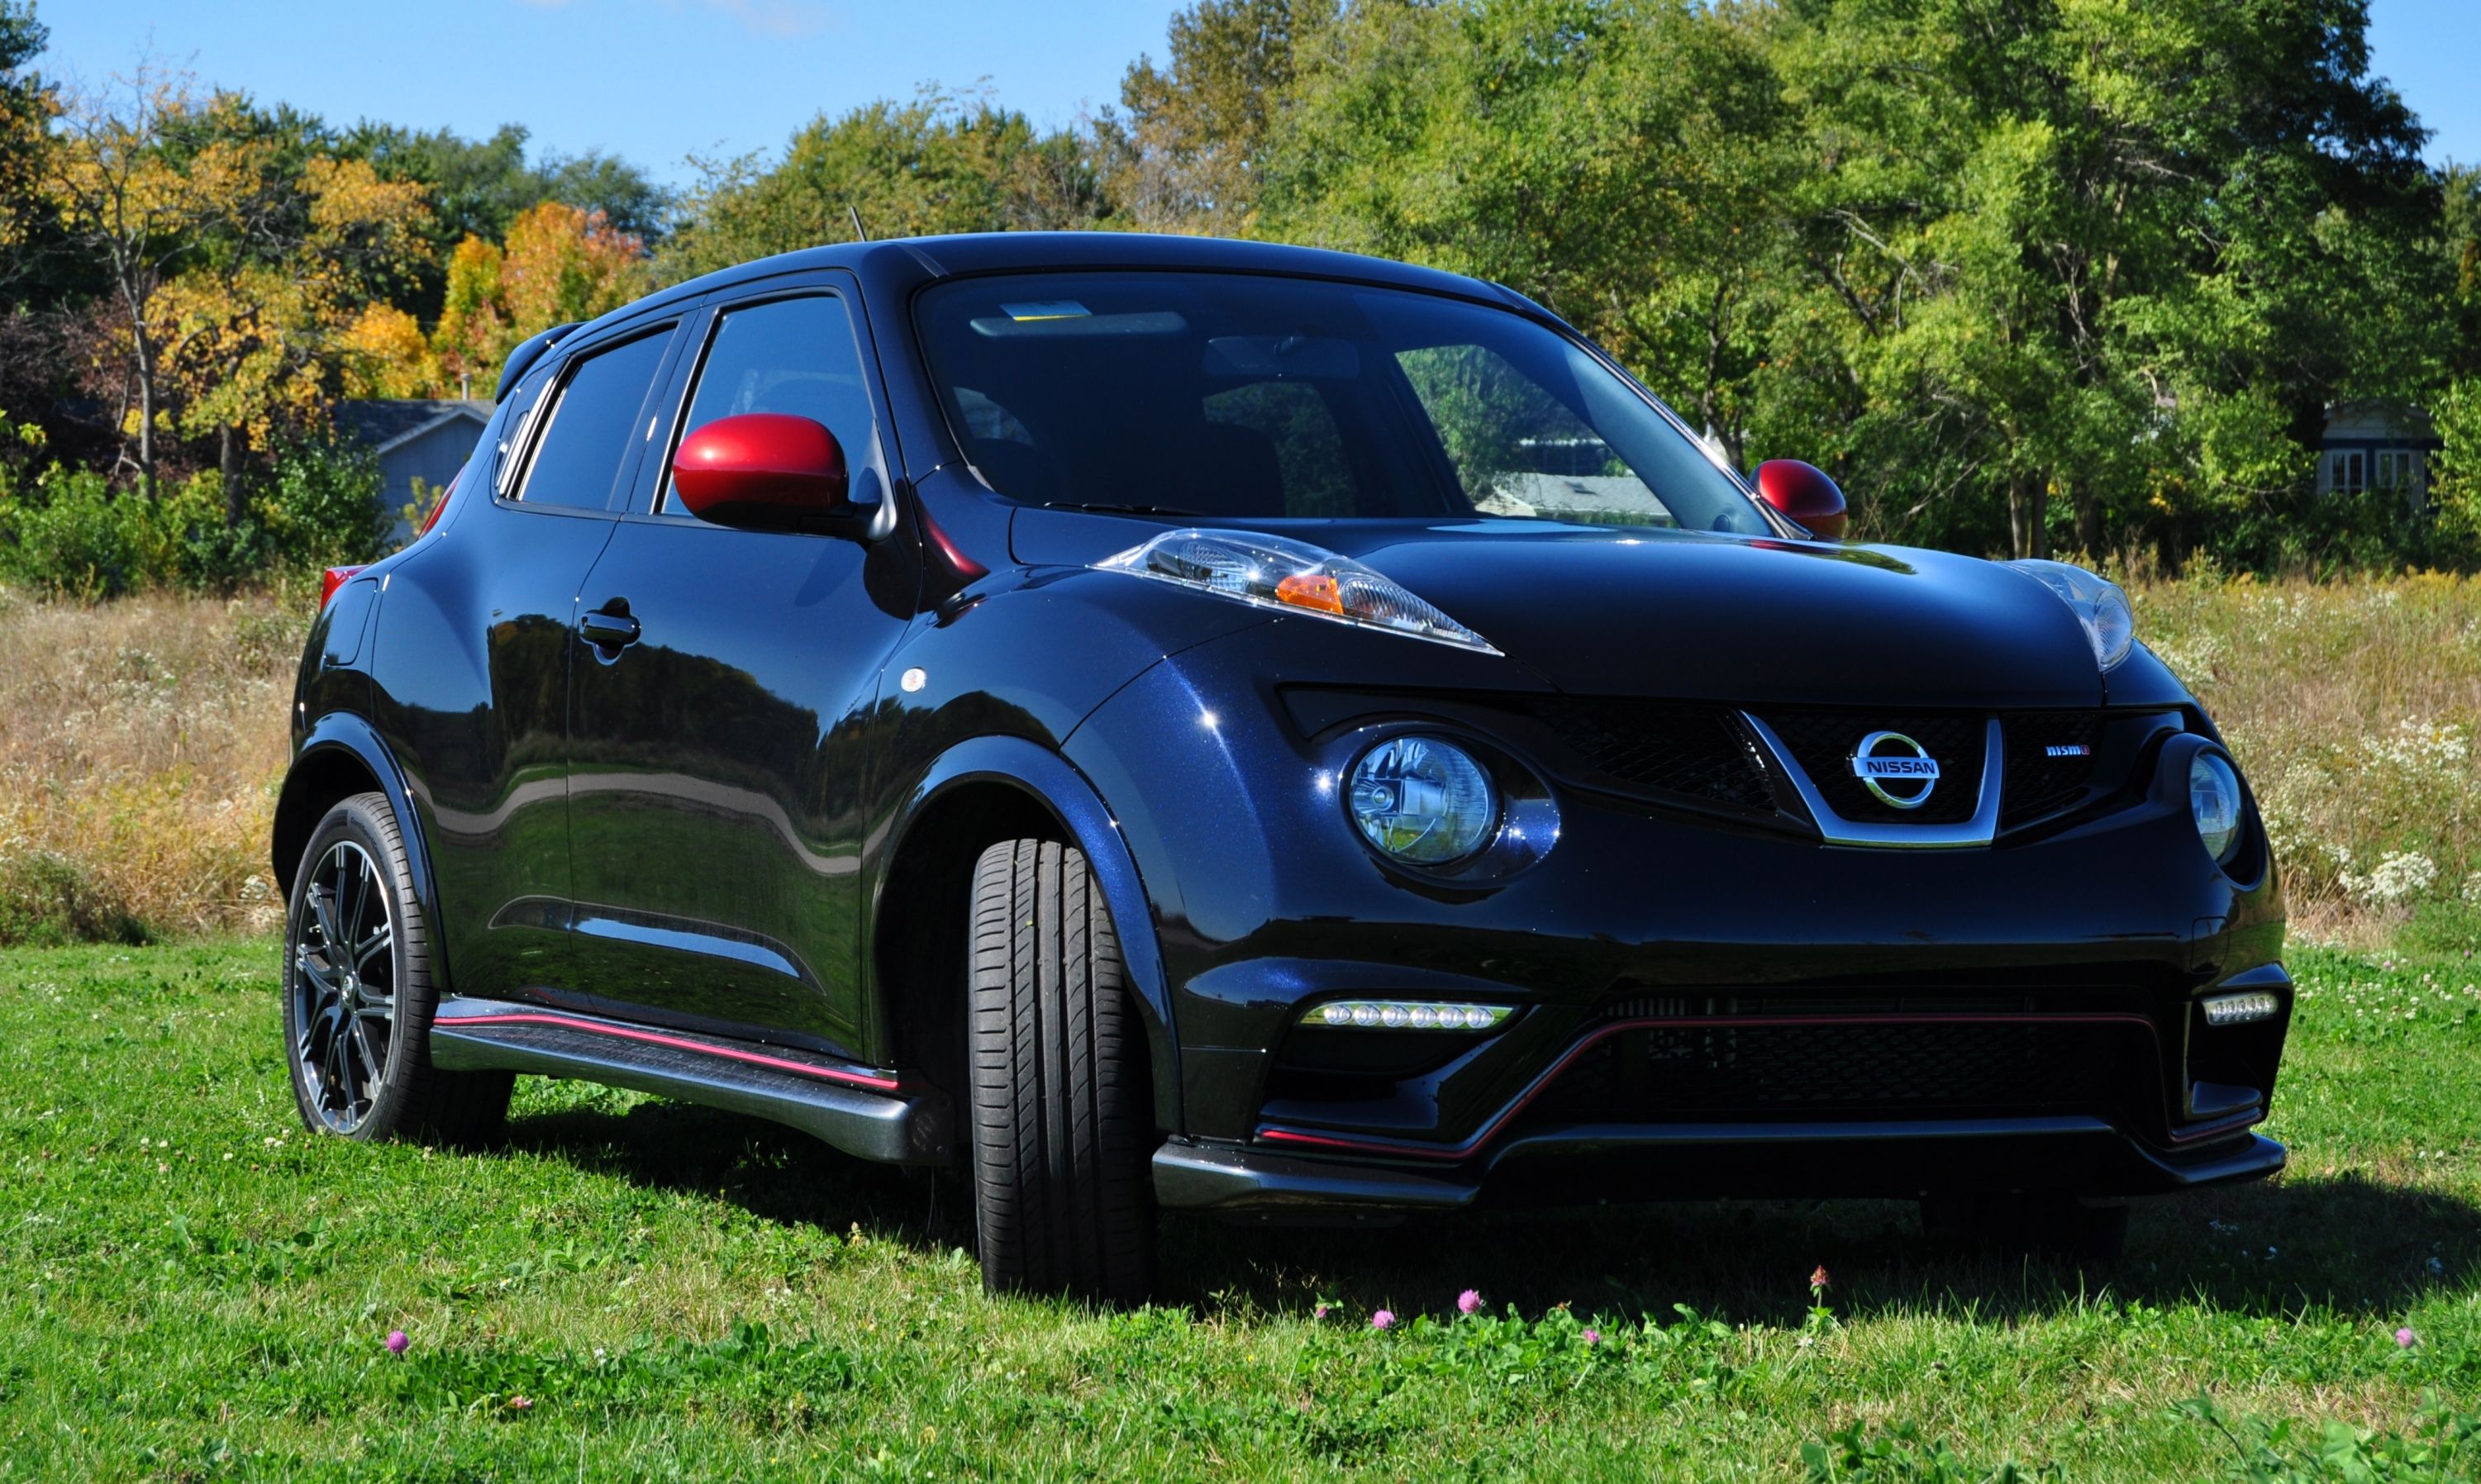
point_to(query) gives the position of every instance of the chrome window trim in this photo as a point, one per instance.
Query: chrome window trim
(1836, 830)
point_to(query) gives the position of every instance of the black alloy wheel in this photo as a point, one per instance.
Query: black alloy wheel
(358, 994)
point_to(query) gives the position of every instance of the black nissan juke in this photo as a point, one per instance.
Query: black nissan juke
(1155, 722)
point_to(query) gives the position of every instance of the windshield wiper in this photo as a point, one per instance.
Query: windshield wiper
(1118, 509)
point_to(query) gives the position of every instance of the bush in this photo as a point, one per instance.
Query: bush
(72, 533)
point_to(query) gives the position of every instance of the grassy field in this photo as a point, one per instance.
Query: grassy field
(192, 1288)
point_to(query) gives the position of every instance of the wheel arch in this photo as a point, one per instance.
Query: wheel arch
(340, 757)
(977, 793)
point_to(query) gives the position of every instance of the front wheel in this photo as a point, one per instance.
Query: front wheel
(358, 995)
(1063, 1119)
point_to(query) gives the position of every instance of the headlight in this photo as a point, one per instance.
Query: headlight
(2214, 797)
(1270, 571)
(1423, 800)
(2099, 604)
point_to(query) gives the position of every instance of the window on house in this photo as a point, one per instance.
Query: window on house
(2351, 471)
(2399, 469)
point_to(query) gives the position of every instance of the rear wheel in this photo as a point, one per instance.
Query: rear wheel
(358, 995)
(1063, 1119)
(2009, 1225)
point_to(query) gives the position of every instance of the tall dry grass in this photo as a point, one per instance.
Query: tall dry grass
(2352, 707)
(141, 743)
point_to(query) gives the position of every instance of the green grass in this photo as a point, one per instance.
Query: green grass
(192, 1288)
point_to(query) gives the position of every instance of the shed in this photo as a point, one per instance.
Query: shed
(417, 439)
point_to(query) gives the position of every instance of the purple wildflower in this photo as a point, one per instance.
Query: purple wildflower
(1384, 1318)
(2405, 1338)
(1593, 1336)
(397, 1342)
(1469, 1301)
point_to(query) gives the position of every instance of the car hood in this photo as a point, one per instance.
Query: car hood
(1695, 616)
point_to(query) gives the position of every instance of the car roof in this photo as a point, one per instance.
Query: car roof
(985, 252)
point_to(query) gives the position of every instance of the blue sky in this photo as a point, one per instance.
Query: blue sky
(658, 81)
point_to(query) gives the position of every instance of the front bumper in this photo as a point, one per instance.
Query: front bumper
(1738, 955)
(1586, 1163)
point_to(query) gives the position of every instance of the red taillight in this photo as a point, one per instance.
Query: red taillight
(441, 504)
(335, 577)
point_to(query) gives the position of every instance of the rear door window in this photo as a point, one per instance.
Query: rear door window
(594, 421)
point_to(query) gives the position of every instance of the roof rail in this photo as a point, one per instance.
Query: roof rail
(528, 351)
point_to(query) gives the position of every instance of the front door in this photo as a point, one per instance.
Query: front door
(716, 812)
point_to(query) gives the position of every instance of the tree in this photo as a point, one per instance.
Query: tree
(256, 334)
(479, 188)
(121, 200)
(2097, 261)
(1617, 161)
(941, 163)
(1192, 155)
(26, 106)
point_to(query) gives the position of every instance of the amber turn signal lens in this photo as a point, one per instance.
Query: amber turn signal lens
(1311, 589)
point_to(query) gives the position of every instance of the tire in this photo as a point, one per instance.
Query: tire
(2014, 1225)
(358, 995)
(1061, 1123)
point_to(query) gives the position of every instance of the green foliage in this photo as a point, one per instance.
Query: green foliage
(2443, 1443)
(70, 531)
(943, 162)
(1860, 1454)
(48, 899)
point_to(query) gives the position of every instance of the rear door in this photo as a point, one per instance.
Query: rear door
(477, 652)
(716, 797)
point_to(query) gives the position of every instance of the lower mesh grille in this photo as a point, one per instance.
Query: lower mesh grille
(1890, 1067)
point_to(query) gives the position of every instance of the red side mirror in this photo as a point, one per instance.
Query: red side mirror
(767, 470)
(1803, 494)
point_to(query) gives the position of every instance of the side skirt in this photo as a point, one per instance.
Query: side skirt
(873, 1115)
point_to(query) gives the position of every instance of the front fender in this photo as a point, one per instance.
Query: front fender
(1052, 782)
(335, 756)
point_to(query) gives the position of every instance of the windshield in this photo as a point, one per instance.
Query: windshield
(1231, 394)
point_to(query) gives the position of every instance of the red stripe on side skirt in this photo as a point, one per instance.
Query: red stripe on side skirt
(678, 1043)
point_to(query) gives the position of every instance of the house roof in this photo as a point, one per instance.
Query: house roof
(389, 424)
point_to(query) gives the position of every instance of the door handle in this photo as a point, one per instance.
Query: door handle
(606, 629)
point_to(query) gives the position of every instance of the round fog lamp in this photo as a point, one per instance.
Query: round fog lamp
(1423, 800)
(2214, 797)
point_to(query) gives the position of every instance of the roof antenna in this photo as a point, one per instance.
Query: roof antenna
(860, 233)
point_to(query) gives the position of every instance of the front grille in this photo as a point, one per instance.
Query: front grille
(1880, 1068)
(1822, 742)
(1700, 753)
(2035, 782)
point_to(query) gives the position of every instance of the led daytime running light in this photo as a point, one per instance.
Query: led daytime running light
(2243, 1008)
(1405, 1015)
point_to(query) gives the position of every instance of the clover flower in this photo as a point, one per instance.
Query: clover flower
(1469, 1301)
(1384, 1318)
(397, 1342)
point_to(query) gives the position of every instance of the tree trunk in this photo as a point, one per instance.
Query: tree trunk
(2088, 515)
(143, 355)
(2026, 536)
(228, 464)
